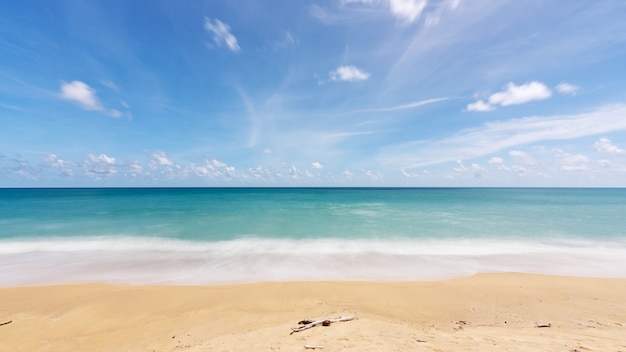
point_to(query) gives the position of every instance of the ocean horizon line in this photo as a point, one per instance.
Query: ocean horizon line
(326, 187)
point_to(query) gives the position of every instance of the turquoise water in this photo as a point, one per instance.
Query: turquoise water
(204, 236)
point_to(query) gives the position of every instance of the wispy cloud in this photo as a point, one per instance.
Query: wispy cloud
(11, 107)
(221, 33)
(85, 96)
(433, 18)
(499, 135)
(348, 74)
(401, 107)
(513, 95)
(321, 14)
(567, 88)
(109, 84)
(287, 40)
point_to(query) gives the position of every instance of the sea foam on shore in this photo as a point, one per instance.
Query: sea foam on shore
(167, 261)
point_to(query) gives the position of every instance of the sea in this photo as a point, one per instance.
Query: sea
(207, 236)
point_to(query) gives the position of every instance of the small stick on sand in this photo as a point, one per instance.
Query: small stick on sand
(5, 323)
(307, 324)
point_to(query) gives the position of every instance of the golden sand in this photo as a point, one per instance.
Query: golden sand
(488, 312)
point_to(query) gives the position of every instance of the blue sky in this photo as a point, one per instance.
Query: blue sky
(313, 93)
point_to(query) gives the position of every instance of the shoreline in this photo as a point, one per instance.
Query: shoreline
(511, 311)
(159, 261)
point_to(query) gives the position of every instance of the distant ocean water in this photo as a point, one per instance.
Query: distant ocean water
(231, 235)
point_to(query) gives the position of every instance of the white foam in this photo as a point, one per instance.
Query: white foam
(156, 260)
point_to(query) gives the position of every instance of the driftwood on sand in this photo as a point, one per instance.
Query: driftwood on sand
(5, 323)
(307, 324)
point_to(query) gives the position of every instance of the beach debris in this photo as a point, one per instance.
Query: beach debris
(543, 325)
(460, 324)
(5, 323)
(312, 347)
(307, 323)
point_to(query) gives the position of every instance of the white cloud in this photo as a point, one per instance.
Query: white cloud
(317, 165)
(85, 96)
(519, 170)
(460, 167)
(218, 170)
(408, 174)
(99, 166)
(218, 163)
(221, 33)
(524, 93)
(79, 92)
(495, 160)
(204, 170)
(103, 158)
(523, 158)
(571, 162)
(517, 153)
(373, 175)
(513, 95)
(494, 136)
(65, 167)
(604, 145)
(474, 170)
(406, 10)
(566, 88)
(161, 163)
(479, 106)
(258, 174)
(134, 169)
(162, 159)
(348, 74)
(26, 170)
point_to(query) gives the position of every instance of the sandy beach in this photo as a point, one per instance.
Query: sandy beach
(504, 312)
